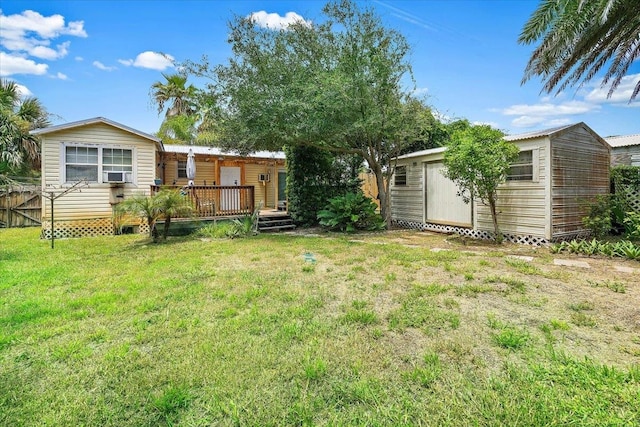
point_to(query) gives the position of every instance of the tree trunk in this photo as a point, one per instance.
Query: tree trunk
(167, 224)
(494, 217)
(383, 194)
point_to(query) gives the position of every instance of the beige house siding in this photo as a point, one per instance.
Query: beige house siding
(93, 201)
(522, 205)
(580, 169)
(265, 193)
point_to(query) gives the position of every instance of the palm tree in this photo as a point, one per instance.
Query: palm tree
(577, 38)
(19, 149)
(164, 204)
(175, 91)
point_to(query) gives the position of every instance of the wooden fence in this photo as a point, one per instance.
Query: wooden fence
(217, 200)
(20, 206)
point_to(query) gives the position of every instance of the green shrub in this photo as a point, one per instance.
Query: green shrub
(598, 221)
(351, 212)
(217, 230)
(631, 223)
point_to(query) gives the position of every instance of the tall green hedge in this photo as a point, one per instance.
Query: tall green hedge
(314, 176)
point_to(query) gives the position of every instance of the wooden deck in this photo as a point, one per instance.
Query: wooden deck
(213, 201)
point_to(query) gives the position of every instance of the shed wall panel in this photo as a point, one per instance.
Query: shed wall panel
(407, 202)
(521, 205)
(580, 172)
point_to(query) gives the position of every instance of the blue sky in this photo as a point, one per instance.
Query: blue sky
(85, 59)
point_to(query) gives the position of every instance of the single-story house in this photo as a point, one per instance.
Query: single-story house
(625, 150)
(117, 161)
(546, 195)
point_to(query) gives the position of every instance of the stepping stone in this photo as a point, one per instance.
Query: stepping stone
(623, 269)
(571, 263)
(521, 258)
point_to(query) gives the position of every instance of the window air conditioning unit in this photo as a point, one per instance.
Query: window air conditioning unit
(116, 176)
(263, 177)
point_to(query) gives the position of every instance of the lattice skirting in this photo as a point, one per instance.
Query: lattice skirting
(85, 228)
(469, 232)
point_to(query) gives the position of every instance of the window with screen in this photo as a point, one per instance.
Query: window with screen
(400, 176)
(522, 169)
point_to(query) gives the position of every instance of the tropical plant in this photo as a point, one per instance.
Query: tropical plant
(340, 85)
(19, 149)
(351, 212)
(172, 203)
(245, 226)
(577, 38)
(143, 206)
(478, 160)
(176, 92)
(165, 204)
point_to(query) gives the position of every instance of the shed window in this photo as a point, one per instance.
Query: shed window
(182, 169)
(89, 163)
(400, 176)
(522, 169)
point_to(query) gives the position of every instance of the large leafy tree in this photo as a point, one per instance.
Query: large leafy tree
(343, 85)
(19, 150)
(577, 39)
(478, 160)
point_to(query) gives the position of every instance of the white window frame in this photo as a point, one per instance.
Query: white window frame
(100, 147)
(535, 167)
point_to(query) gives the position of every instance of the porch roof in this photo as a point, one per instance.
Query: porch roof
(215, 151)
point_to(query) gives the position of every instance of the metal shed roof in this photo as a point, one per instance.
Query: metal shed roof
(214, 151)
(623, 140)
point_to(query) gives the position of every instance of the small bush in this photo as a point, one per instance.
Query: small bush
(598, 221)
(217, 230)
(351, 212)
(632, 225)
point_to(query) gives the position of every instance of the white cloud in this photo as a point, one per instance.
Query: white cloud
(621, 95)
(152, 60)
(526, 121)
(481, 123)
(61, 76)
(421, 91)
(547, 113)
(12, 64)
(79, 58)
(99, 65)
(273, 21)
(15, 27)
(29, 34)
(548, 109)
(23, 91)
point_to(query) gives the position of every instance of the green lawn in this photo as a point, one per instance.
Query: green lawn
(366, 330)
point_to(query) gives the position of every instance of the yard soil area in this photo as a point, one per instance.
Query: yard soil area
(601, 301)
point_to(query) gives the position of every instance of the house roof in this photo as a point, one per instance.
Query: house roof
(214, 151)
(423, 153)
(93, 121)
(539, 133)
(623, 140)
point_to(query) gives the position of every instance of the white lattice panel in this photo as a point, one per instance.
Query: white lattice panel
(84, 228)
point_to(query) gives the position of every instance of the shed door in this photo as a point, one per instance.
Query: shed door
(229, 199)
(444, 206)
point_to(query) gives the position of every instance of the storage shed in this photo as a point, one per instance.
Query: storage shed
(547, 193)
(625, 150)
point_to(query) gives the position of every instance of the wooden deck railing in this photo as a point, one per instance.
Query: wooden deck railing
(217, 200)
